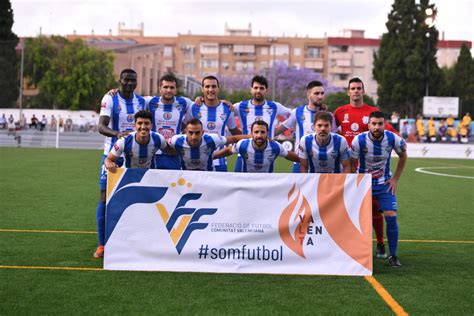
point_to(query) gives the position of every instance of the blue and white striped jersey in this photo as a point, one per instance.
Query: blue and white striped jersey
(268, 112)
(214, 120)
(302, 121)
(122, 114)
(199, 158)
(324, 159)
(256, 160)
(374, 156)
(138, 155)
(167, 118)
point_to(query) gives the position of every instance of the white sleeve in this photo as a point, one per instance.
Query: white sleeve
(236, 109)
(283, 151)
(219, 140)
(106, 106)
(117, 149)
(147, 101)
(283, 110)
(173, 139)
(236, 147)
(355, 148)
(231, 121)
(162, 141)
(290, 122)
(400, 144)
(189, 114)
(344, 151)
(302, 149)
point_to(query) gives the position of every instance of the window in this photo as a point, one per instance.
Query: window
(313, 52)
(280, 49)
(264, 51)
(209, 48)
(225, 49)
(168, 51)
(243, 66)
(249, 49)
(225, 65)
(297, 51)
(358, 50)
(209, 63)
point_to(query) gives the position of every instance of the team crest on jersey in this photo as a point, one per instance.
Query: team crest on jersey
(223, 116)
(211, 125)
(245, 156)
(179, 107)
(346, 118)
(270, 158)
(247, 110)
(365, 150)
(365, 119)
(141, 162)
(303, 117)
(130, 118)
(270, 111)
(258, 166)
(119, 108)
(195, 162)
(323, 163)
(167, 115)
(355, 127)
(334, 155)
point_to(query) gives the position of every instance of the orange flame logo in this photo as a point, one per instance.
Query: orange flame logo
(295, 241)
(358, 245)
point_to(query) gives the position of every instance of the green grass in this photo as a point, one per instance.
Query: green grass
(50, 189)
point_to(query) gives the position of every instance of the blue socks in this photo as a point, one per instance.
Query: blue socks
(392, 234)
(100, 215)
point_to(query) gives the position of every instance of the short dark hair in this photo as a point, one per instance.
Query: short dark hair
(322, 115)
(209, 78)
(168, 77)
(377, 114)
(259, 123)
(355, 79)
(261, 80)
(143, 114)
(194, 121)
(127, 71)
(314, 83)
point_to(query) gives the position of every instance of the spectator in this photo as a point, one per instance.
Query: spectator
(443, 130)
(68, 124)
(394, 120)
(22, 121)
(83, 124)
(3, 122)
(466, 122)
(450, 123)
(420, 128)
(61, 124)
(11, 125)
(93, 124)
(54, 123)
(44, 122)
(432, 129)
(34, 122)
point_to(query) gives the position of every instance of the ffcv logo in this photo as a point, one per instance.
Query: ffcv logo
(184, 220)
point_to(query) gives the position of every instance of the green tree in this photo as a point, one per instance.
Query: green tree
(335, 100)
(463, 79)
(69, 75)
(405, 66)
(447, 86)
(8, 58)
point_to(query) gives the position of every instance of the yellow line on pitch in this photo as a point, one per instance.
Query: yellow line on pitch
(46, 231)
(396, 308)
(52, 268)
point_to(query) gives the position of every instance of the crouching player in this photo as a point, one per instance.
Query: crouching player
(196, 147)
(259, 153)
(139, 147)
(372, 150)
(324, 151)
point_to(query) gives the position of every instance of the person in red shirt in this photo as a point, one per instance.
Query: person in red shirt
(353, 119)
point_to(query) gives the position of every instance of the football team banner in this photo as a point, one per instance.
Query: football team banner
(168, 220)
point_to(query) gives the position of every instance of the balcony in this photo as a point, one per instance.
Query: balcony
(340, 55)
(340, 70)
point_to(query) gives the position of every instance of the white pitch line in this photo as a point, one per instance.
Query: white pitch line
(422, 170)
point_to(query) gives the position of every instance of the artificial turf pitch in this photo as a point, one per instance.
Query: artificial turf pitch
(56, 190)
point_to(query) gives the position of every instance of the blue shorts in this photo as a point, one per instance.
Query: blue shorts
(296, 167)
(103, 172)
(170, 162)
(387, 201)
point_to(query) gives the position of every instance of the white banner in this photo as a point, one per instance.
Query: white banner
(453, 151)
(440, 106)
(168, 220)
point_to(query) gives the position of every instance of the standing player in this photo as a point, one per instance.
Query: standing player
(322, 150)
(196, 147)
(116, 120)
(259, 153)
(353, 119)
(168, 115)
(138, 147)
(372, 151)
(214, 114)
(302, 118)
(258, 109)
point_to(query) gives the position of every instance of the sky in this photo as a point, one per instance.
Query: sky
(313, 18)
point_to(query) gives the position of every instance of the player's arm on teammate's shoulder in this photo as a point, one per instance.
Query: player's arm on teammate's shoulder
(227, 151)
(105, 130)
(280, 129)
(235, 131)
(393, 181)
(303, 165)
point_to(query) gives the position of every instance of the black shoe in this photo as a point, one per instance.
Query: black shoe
(380, 252)
(394, 262)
